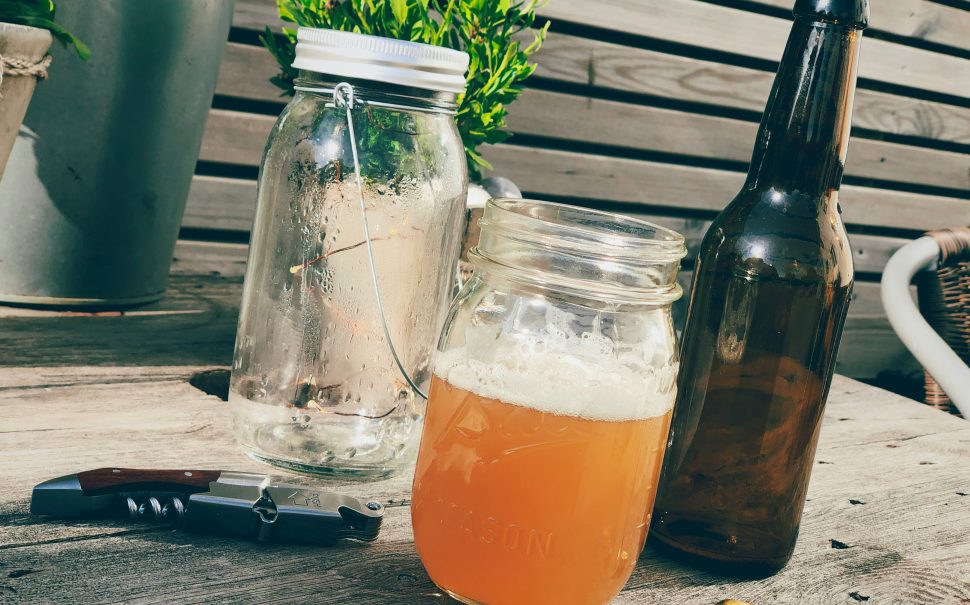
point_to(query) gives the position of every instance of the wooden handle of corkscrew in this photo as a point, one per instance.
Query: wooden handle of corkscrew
(108, 480)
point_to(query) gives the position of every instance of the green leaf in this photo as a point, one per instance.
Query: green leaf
(40, 14)
(400, 10)
(288, 10)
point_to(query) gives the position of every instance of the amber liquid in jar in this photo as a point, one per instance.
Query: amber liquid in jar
(545, 508)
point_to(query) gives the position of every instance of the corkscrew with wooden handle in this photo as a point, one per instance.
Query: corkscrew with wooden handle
(242, 505)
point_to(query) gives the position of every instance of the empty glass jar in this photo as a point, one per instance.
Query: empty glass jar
(315, 383)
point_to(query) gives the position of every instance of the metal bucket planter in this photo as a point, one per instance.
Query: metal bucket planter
(22, 49)
(93, 194)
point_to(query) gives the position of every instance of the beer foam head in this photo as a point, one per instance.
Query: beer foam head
(562, 374)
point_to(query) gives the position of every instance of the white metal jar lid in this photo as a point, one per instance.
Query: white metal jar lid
(353, 55)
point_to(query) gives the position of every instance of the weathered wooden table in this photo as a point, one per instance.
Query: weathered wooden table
(888, 517)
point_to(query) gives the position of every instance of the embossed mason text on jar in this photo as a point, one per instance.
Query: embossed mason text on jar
(354, 248)
(549, 407)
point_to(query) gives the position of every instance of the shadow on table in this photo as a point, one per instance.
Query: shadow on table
(659, 567)
(176, 566)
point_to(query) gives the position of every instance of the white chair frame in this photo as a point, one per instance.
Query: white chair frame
(923, 342)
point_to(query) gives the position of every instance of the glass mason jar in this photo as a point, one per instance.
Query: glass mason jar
(549, 407)
(315, 384)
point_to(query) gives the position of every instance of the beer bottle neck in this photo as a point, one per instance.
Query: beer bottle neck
(802, 142)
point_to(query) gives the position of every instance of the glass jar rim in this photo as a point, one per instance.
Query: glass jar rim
(580, 251)
(582, 225)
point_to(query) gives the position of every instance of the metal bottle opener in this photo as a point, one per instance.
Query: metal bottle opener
(240, 505)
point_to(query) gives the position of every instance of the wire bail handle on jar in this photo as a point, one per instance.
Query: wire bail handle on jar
(344, 98)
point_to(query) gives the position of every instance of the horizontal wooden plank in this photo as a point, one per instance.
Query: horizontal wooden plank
(256, 14)
(234, 137)
(246, 70)
(204, 257)
(587, 120)
(761, 37)
(217, 202)
(200, 313)
(917, 19)
(655, 184)
(869, 252)
(220, 203)
(626, 69)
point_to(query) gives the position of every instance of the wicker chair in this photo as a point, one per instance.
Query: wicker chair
(940, 339)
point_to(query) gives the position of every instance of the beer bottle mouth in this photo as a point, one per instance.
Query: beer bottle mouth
(580, 251)
(849, 13)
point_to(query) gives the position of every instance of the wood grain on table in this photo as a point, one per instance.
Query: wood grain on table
(888, 517)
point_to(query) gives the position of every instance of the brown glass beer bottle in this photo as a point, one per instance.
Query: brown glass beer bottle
(770, 295)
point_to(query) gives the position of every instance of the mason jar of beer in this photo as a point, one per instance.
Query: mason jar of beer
(549, 408)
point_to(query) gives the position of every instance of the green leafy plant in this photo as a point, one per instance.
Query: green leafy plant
(40, 14)
(485, 29)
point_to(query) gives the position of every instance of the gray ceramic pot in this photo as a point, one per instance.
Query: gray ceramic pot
(93, 194)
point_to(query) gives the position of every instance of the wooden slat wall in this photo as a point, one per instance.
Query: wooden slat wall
(650, 107)
(920, 20)
(760, 36)
(616, 68)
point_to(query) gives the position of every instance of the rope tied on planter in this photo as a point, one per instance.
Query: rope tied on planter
(18, 66)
